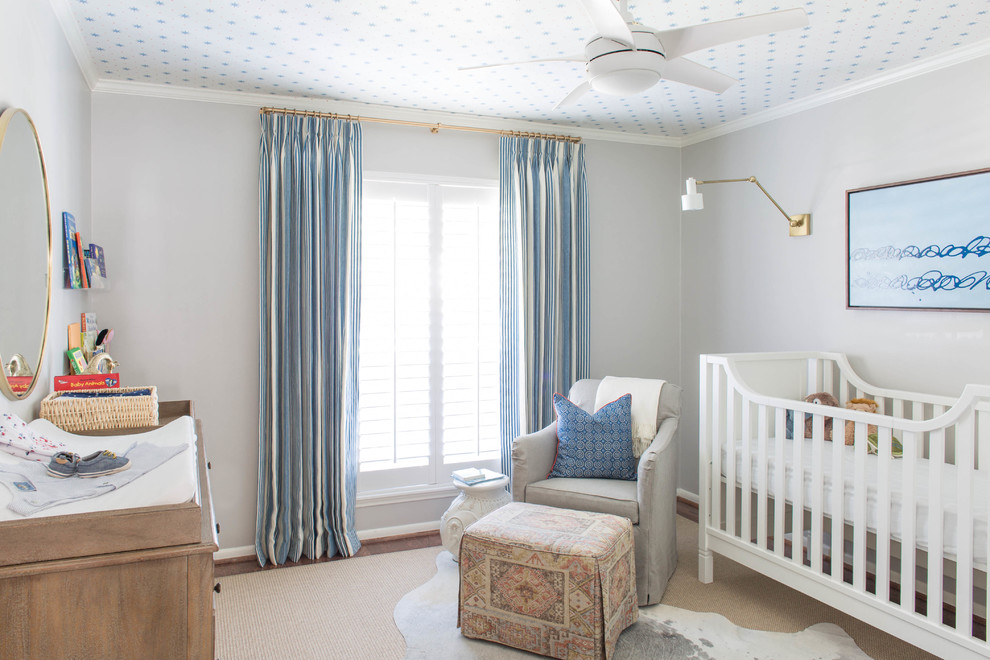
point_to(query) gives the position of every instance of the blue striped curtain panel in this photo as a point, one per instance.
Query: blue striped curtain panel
(544, 280)
(310, 221)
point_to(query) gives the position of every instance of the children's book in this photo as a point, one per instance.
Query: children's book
(87, 322)
(73, 272)
(96, 252)
(73, 336)
(89, 344)
(76, 360)
(96, 280)
(86, 382)
(82, 261)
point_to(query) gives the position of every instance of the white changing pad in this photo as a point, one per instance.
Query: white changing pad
(949, 480)
(172, 482)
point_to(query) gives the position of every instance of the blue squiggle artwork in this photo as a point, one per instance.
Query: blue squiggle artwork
(933, 280)
(978, 247)
(922, 244)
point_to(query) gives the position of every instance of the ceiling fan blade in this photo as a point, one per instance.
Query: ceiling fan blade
(566, 58)
(608, 21)
(575, 94)
(681, 41)
(694, 74)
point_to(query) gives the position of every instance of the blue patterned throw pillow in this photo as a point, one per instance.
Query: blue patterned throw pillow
(595, 446)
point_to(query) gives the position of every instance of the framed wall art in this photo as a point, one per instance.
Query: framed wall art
(922, 244)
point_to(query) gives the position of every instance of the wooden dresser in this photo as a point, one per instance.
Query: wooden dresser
(130, 583)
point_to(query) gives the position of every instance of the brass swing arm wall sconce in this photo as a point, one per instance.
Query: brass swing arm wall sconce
(800, 225)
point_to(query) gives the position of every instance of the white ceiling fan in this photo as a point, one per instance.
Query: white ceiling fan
(627, 58)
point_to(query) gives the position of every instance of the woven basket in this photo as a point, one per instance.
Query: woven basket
(97, 413)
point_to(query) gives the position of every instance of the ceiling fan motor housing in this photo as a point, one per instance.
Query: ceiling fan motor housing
(614, 68)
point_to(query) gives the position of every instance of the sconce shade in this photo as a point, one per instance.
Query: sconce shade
(693, 200)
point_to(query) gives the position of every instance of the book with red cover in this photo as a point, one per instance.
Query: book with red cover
(86, 382)
(82, 261)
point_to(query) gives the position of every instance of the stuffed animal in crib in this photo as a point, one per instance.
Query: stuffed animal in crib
(864, 405)
(822, 399)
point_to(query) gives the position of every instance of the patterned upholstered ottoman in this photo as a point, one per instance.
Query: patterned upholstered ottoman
(556, 582)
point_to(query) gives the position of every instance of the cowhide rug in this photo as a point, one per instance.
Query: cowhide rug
(427, 618)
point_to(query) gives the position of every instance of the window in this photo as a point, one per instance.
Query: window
(429, 342)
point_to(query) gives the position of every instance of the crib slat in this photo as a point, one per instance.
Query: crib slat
(838, 501)
(964, 524)
(936, 581)
(883, 514)
(859, 509)
(761, 502)
(898, 408)
(843, 388)
(908, 513)
(716, 448)
(731, 438)
(918, 414)
(817, 491)
(746, 493)
(797, 505)
(779, 492)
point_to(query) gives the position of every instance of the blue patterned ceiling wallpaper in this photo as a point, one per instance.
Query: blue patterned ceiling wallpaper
(406, 53)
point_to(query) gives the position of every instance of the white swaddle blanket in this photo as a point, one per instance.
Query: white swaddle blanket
(33, 489)
(645, 401)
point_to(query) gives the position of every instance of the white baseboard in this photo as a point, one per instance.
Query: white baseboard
(398, 530)
(247, 551)
(688, 495)
(238, 552)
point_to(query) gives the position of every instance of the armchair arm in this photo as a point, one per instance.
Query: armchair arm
(532, 459)
(660, 457)
(656, 490)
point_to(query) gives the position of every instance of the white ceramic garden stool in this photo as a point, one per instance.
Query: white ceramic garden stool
(472, 504)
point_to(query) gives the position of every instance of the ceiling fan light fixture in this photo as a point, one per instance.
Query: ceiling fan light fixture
(624, 82)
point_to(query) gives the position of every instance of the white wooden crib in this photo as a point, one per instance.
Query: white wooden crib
(914, 542)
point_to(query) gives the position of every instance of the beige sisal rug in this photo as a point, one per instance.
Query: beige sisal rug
(344, 609)
(336, 609)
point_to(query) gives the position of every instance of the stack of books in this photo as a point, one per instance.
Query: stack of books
(474, 476)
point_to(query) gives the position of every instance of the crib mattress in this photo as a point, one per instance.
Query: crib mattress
(173, 482)
(978, 504)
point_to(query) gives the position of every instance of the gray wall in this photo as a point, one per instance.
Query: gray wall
(634, 206)
(175, 192)
(747, 286)
(39, 74)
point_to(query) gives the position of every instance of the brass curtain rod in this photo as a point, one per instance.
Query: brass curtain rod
(434, 128)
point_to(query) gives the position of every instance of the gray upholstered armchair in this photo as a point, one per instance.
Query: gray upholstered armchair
(650, 502)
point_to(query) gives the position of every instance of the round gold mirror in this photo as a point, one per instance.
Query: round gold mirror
(25, 254)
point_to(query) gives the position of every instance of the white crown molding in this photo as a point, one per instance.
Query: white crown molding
(900, 74)
(73, 37)
(372, 110)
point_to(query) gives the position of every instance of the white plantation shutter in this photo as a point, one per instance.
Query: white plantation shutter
(470, 324)
(429, 332)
